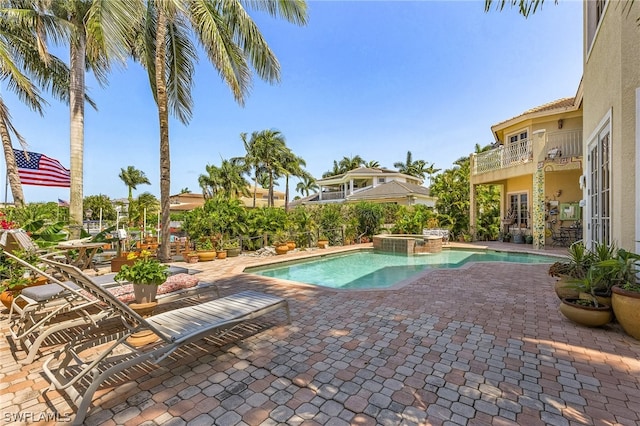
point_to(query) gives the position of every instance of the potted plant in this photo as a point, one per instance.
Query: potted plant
(518, 237)
(280, 243)
(14, 277)
(221, 253)
(625, 297)
(205, 250)
(587, 312)
(323, 241)
(232, 247)
(146, 274)
(507, 237)
(190, 256)
(569, 272)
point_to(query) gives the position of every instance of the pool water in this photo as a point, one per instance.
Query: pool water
(369, 269)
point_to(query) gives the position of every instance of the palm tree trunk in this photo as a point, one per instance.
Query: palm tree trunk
(12, 167)
(270, 201)
(255, 188)
(76, 104)
(163, 116)
(286, 194)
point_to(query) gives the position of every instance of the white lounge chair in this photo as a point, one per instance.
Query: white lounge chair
(80, 375)
(35, 314)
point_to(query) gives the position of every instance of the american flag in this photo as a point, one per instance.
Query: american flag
(40, 170)
(62, 203)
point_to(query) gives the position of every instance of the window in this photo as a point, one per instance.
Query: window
(521, 136)
(595, 12)
(599, 185)
(519, 204)
(380, 180)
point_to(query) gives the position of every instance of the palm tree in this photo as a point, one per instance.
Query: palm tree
(232, 43)
(132, 177)
(350, 163)
(291, 165)
(272, 148)
(225, 180)
(413, 168)
(23, 61)
(431, 170)
(98, 31)
(306, 185)
(333, 172)
(372, 164)
(251, 160)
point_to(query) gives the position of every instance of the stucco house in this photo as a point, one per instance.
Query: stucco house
(606, 168)
(376, 185)
(537, 163)
(611, 122)
(189, 201)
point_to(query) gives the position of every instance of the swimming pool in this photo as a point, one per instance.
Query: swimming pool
(366, 269)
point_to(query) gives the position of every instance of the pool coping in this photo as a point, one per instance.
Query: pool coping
(241, 269)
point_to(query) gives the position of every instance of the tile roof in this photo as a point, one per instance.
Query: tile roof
(393, 189)
(555, 106)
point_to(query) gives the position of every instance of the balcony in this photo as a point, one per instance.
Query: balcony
(563, 144)
(331, 195)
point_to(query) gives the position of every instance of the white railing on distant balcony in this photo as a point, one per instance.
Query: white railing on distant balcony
(331, 195)
(504, 156)
(563, 144)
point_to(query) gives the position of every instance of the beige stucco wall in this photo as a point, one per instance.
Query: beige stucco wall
(567, 182)
(611, 76)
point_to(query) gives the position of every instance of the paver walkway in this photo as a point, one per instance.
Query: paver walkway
(480, 345)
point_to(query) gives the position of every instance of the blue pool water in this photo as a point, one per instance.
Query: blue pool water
(369, 269)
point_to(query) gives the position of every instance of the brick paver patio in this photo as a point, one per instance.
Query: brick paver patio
(483, 345)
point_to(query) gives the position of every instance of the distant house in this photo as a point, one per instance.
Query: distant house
(189, 200)
(537, 163)
(370, 184)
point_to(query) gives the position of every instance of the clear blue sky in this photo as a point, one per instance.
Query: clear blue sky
(375, 79)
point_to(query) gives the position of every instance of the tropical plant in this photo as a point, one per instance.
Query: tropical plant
(40, 221)
(98, 32)
(306, 185)
(204, 244)
(226, 181)
(291, 165)
(132, 177)
(26, 65)
(13, 274)
(97, 204)
(369, 218)
(145, 270)
(232, 43)
(410, 167)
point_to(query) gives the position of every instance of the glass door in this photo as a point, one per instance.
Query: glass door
(599, 187)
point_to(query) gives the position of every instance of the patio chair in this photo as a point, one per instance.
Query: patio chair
(82, 365)
(35, 314)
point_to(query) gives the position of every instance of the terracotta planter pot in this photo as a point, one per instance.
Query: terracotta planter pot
(626, 306)
(282, 249)
(222, 254)
(291, 245)
(589, 316)
(6, 297)
(564, 289)
(323, 243)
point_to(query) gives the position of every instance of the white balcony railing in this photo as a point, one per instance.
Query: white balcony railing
(560, 144)
(564, 144)
(332, 195)
(504, 156)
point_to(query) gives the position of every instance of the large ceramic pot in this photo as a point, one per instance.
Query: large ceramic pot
(145, 293)
(206, 255)
(565, 289)
(233, 252)
(626, 306)
(323, 243)
(222, 254)
(282, 249)
(291, 245)
(590, 316)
